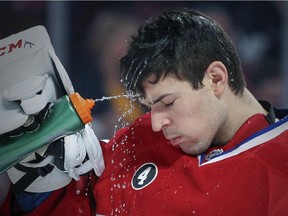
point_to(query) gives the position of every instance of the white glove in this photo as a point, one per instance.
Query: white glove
(77, 147)
(34, 94)
(31, 74)
(59, 162)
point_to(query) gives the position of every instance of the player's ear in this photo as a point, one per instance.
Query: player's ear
(217, 76)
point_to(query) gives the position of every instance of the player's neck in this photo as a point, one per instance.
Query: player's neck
(240, 109)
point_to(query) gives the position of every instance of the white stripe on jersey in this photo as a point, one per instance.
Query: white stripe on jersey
(256, 139)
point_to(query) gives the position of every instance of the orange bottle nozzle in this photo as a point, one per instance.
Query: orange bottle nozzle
(82, 106)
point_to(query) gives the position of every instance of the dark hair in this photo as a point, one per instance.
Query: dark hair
(182, 43)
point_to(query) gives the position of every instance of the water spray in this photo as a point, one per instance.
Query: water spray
(104, 98)
(68, 115)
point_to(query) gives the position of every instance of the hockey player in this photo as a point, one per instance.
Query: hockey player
(207, 146)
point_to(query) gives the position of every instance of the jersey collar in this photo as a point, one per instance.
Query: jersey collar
(252, 125)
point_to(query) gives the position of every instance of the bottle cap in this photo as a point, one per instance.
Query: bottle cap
(82, 106)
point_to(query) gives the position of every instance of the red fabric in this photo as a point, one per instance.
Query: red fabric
(75, 199)
(254, 182)
(5, 206)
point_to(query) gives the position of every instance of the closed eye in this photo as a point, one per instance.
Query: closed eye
(168, 104)
(168, 101)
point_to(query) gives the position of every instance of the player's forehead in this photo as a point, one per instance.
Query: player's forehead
(165, 86)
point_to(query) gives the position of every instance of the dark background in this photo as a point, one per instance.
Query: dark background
(257, 28)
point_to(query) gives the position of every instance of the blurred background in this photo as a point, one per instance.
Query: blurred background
(90, 37)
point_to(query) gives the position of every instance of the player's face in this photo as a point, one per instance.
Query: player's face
(188, 118)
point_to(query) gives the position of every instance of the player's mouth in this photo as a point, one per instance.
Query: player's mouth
(175, 141)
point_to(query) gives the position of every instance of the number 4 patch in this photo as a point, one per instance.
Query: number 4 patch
(144, 176)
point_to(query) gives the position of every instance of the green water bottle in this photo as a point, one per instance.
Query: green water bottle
(68, 115)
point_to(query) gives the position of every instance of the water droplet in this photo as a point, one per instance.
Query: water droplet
(104, 98)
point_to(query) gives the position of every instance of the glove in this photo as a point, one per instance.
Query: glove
(35, 98)
(31, 77)
(54, 165)
(83, 153)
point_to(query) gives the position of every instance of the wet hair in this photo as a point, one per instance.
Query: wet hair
(182, 43)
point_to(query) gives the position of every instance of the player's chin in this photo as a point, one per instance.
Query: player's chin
(192, 149)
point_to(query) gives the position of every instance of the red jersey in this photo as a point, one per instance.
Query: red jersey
(144, 175)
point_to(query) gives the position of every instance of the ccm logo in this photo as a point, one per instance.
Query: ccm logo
(13, 46)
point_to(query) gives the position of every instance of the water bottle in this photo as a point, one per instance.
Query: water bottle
(68, 115)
